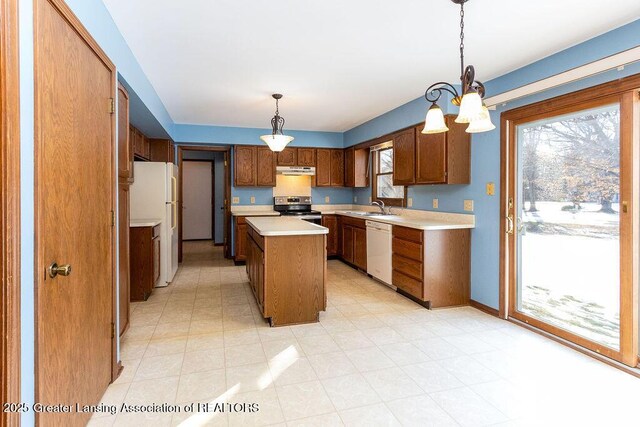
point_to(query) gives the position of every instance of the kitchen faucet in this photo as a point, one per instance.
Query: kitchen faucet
(379, 204)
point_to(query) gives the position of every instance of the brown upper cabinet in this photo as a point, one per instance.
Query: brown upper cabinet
(443, 158)
(125, 156)
(404, 157)
(266, 167)
(337, 168)
(161, 150)
(356, 165)
(244, 171)
(288, 157)
(306, 157)
(323, 167)
(140, 144)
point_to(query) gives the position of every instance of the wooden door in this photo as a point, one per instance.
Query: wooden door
(266, 168)
(245, 166)
(404, 152)
(75, 177)
(288, 157)
(125, 158)
(360, 247)
(323, 167)
(431, 158)
(241, 242)
(331, 222)
(349, 167)
(458, 152)
(347, 243)
(123, 256)
(306, 156)
(337, 168)
(197, 200)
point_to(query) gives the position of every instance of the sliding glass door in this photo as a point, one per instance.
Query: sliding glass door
(571, 238)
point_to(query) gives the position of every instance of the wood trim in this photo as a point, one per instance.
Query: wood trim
(226, 149)
(485, 308)
(10, 209)
(84, 34)
(625, 92)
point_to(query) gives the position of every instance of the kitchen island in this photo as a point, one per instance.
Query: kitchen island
(287, 268)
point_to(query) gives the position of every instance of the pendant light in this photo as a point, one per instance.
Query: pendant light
(277, 141)
(472, 109)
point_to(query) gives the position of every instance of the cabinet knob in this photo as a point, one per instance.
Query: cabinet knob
(62, 270)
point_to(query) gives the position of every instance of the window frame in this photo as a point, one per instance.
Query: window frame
(388, 201)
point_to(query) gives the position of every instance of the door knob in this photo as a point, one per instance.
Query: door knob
(55, 269)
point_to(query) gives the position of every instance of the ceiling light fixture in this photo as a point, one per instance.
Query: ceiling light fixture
(472, 109)
(277, 140)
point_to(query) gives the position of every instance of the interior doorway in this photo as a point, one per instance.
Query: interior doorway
(570, 225)
(220, 193)
(198, 207)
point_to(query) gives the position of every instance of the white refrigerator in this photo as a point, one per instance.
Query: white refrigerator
(154, 195)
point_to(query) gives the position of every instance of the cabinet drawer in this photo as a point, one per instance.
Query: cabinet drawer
(411, 286)
(407, 249)
(407, 266)
(354, 222)
(406, 233)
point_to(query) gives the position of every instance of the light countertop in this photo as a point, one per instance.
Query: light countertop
(255, 213)
(415, 222)
(144, 222)
(284, 226)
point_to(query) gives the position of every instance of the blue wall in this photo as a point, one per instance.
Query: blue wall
(485, 150)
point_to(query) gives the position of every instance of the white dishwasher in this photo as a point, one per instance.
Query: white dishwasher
(379, 250)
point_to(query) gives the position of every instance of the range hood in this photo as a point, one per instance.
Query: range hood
(296, 170)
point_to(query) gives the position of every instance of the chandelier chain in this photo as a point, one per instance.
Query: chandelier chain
(461, 40)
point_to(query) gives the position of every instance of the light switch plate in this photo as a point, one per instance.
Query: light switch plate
(410, 202)
(435, 204)
(326, 199)
(235, 200)
(252, 200)
(355, 199)
(468, 205)
(491, 189)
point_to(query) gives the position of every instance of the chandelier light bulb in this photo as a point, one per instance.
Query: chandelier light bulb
(434, 122)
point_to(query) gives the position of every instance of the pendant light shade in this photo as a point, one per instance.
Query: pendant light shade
(481, 125)
(277, 141)
(470, 108)
(434, 123)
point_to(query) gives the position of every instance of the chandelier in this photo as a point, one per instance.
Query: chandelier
(277, 140)
(472, 109)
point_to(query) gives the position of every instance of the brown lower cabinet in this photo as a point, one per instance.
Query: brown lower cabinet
(433, 266)
(354, 241)
(124, 274)
(240, 238)
(332, 222)
(144, 259)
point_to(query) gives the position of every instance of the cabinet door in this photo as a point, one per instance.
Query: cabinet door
(266, 170)
(337, 168)
(124, 162)
(349, 167)
(458, 153)
(156, 262)
(146, 147)
(306, 156)
(245, 166)
(404, 152)
(331, 222)
(123, 256)
(431, 158)
(323, 167)
(360, 247)
(259, 273)
(288, 157)
(241, 242)
(347, 243)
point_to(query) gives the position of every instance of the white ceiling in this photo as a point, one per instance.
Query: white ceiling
(339, 63)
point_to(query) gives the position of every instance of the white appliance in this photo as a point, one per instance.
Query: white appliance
(154, 195)
(296, 170)
(379, 251)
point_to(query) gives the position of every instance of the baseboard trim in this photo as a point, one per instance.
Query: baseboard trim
(489, 310)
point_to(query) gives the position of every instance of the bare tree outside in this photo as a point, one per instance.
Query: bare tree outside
(569, 222)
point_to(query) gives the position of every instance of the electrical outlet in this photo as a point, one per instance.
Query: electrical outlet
(468, 205)
(491, 189)
(235, 200)
(252, 200)
(326, 199)
(410, 202)
(435, 203)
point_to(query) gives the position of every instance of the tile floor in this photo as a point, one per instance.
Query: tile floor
(375, 359)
